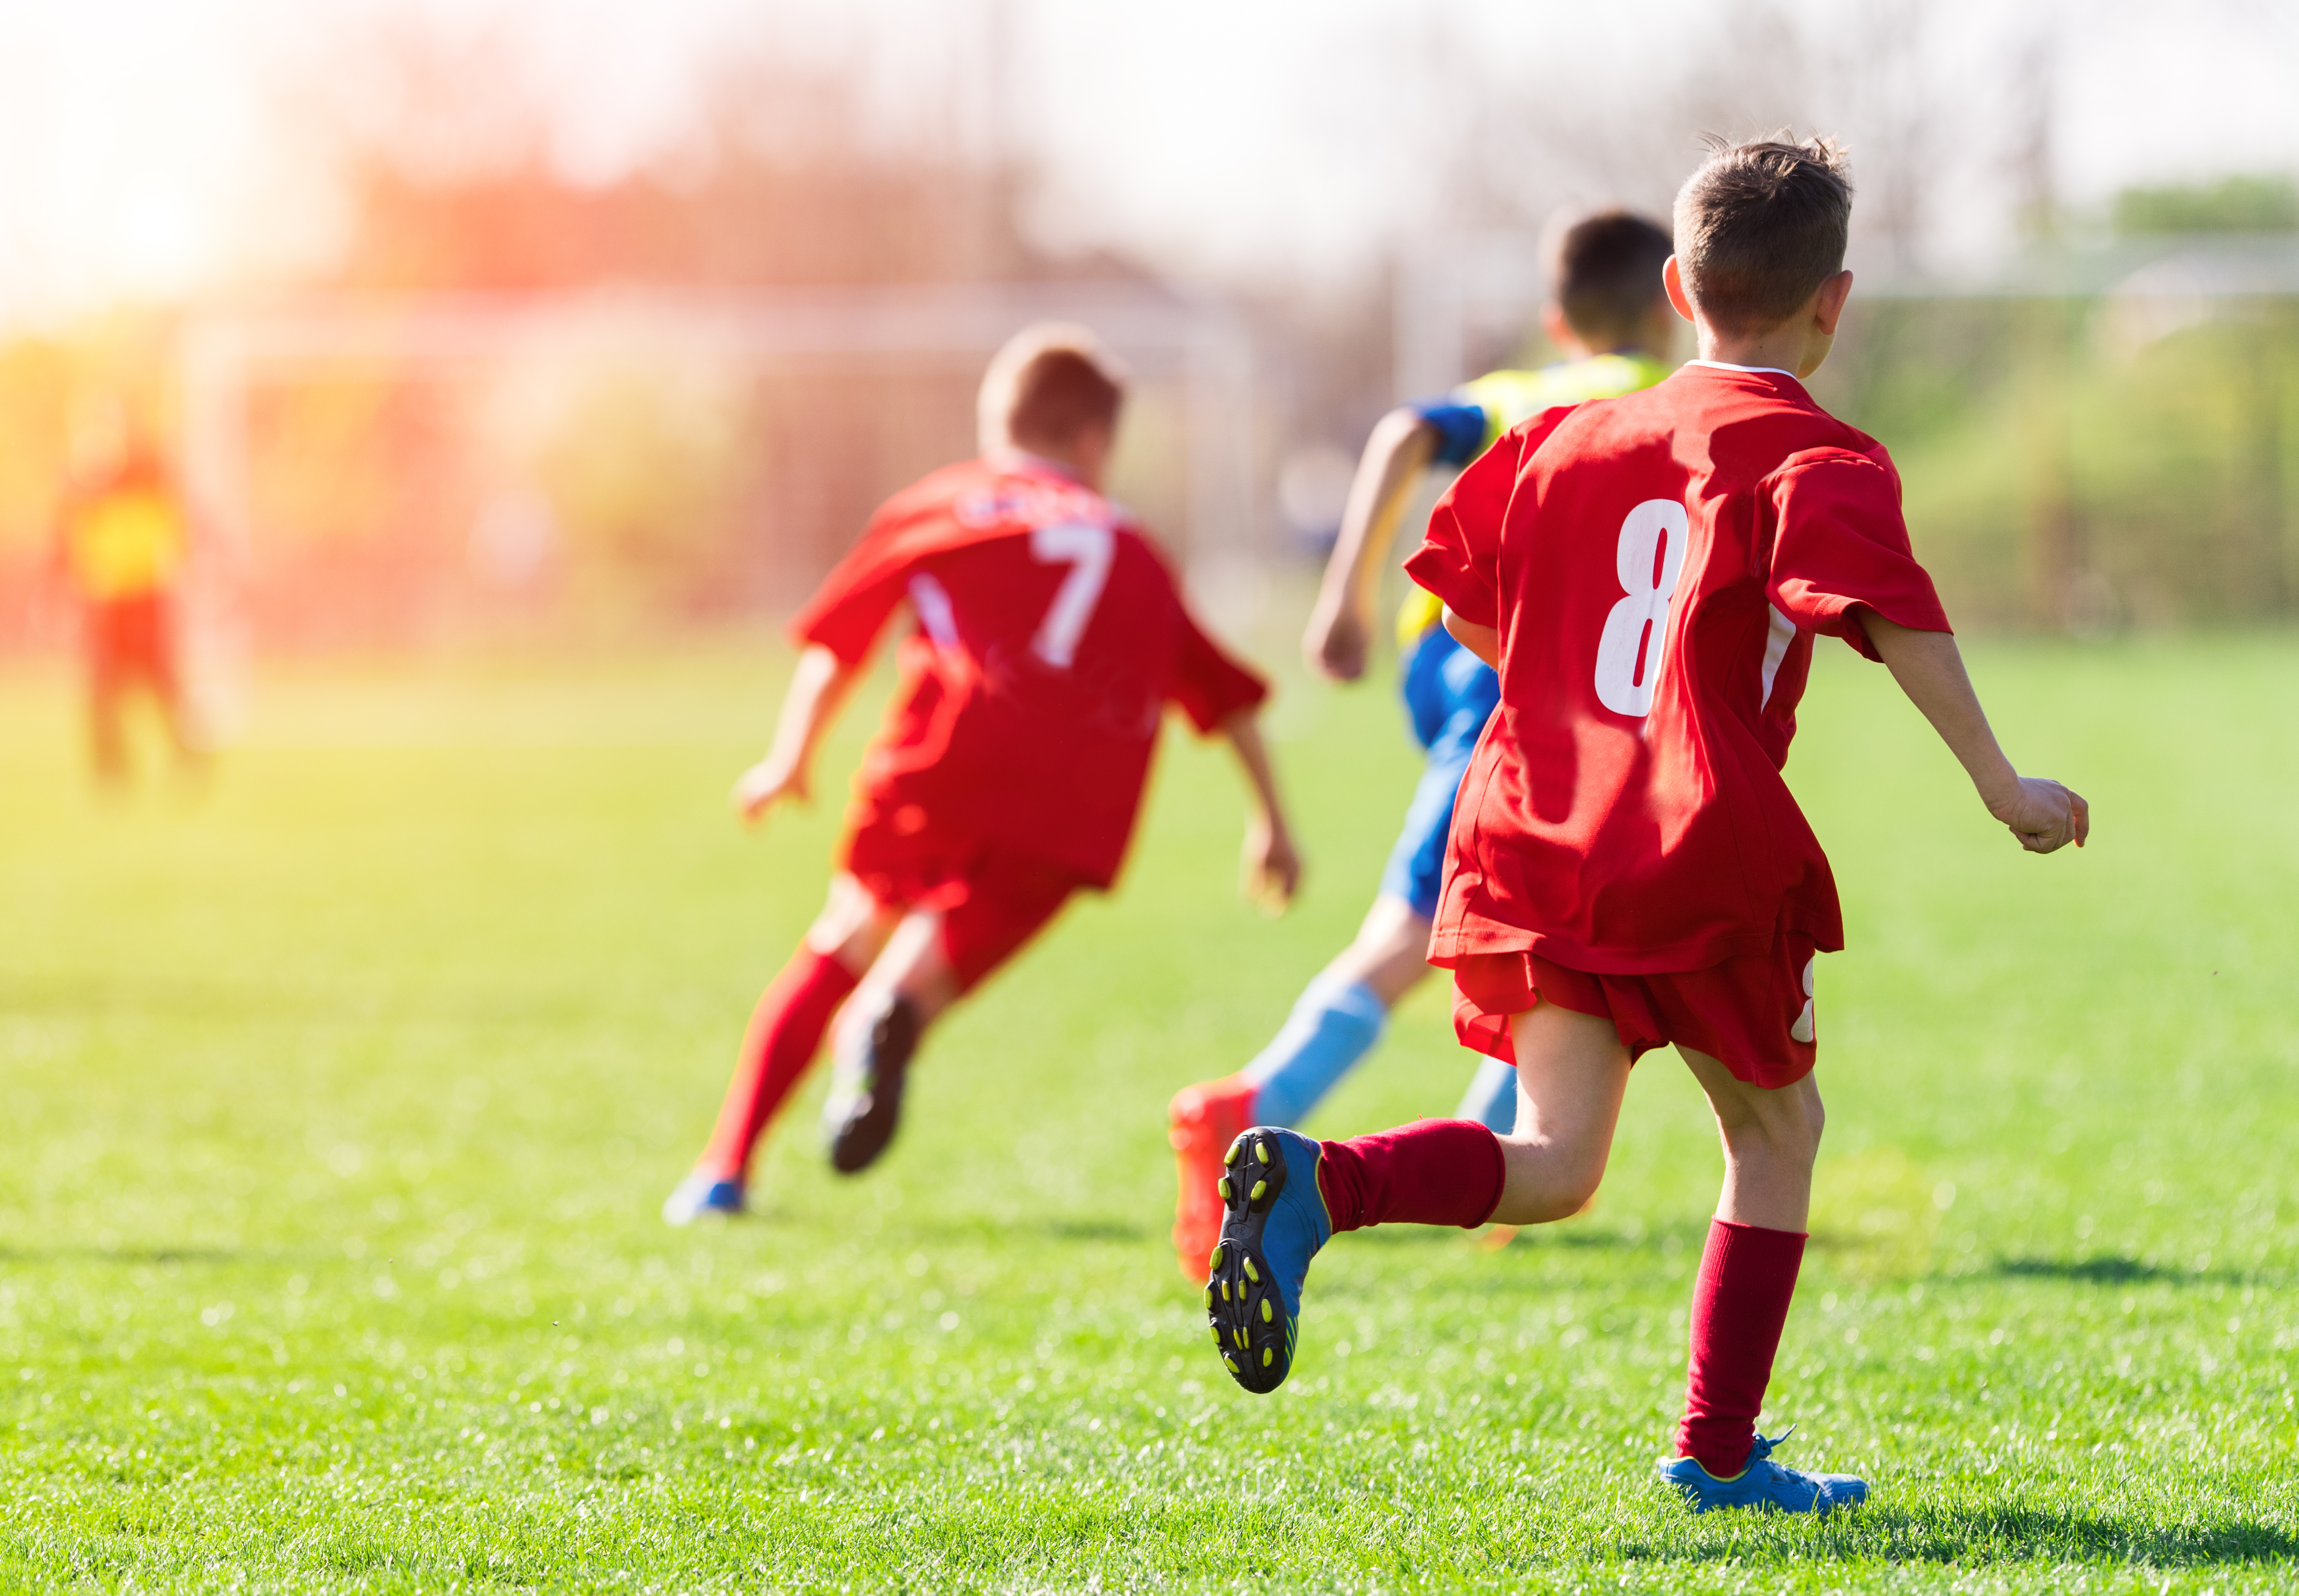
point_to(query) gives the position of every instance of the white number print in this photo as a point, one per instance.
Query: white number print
(1087, 550)
(1650, 560)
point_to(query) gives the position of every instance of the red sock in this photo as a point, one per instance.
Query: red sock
(785, 1031)
(1748, 1274)
(1430, 1172)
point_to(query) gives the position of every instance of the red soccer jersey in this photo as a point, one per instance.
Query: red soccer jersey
(1050, 636)
(1657, 566)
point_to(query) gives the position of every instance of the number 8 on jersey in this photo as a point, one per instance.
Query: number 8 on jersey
(1650, 558)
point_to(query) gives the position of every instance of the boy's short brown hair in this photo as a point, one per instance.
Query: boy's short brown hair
(1760, 226)
(1047, 383)
(1605, 272)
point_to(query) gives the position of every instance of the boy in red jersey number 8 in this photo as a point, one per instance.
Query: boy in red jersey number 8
(1050, 636)
(1626, 867)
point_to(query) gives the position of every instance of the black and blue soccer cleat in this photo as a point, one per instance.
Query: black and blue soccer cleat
(1765, 1484)
(700, 1194)
(865, 1105)
(1273, 1220)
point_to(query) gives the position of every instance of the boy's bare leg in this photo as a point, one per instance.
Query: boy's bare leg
(107, 727)
(1390, 953)
(911, 962)
(1748, 1268)
(1771, 1138)
(1571, 1073)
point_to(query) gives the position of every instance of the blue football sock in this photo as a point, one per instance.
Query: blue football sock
(1333, 1026)
(1491, 1098)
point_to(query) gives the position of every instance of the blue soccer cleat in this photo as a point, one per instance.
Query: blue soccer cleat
(1273, 1220)
(1765, 1484)
(700, 1194)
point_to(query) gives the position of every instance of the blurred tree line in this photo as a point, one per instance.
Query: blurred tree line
(2087, 454)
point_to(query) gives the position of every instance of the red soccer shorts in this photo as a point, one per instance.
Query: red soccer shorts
(1754, 1014)
(991, 902)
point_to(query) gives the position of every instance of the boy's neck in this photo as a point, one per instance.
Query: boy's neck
(1783, 348)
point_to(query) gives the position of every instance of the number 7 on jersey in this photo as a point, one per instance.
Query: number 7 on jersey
(1087, 550)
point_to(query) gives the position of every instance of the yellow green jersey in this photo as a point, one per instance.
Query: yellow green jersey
(125, 542)
(1469, 419)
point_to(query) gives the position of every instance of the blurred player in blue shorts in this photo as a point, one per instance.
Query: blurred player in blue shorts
(1609, 314)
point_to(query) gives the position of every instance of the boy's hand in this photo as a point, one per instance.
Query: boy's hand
(1336, 642)
(2043, 815)
(1272, 870)
(765, 784)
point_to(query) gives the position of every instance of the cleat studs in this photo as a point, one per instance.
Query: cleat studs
(1239, 1335)
(1229, 1158)
(1231, 1361)
(1261, 1150)
(1218, 1335)
(1268, 1355)
(1209, 1299)
(1214, 1261)
(1222, 1186)
(1251, 1273)
(1265, 1314)
(1225, 1285)
(1261, 1189)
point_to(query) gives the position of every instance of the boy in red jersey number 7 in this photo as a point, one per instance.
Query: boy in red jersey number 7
(1050, 636)
(1626, 867)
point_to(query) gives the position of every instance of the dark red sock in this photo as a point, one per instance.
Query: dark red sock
(785, 1032)
(1748, 1274)
(1430, 1172)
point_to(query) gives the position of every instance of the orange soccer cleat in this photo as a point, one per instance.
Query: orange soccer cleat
(1201, 1122)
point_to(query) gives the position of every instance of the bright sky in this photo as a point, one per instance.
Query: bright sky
(162, 146)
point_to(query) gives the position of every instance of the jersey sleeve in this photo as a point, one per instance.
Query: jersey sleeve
(1461, 428)
(849, 611)
(1208, 684)
(1840, 545)
(1459, 557)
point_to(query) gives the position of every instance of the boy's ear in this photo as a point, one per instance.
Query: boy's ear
(1673, 279)
(1828, 304)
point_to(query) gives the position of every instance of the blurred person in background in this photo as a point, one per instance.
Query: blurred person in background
(1609, 315)
(122, 540)
(1049, 636)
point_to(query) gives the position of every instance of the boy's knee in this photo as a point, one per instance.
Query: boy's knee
(1785, 1123)
(1565, 1184)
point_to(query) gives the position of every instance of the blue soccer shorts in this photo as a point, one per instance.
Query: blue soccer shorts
(1449, 694)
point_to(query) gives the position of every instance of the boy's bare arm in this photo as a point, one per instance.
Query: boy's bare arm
(1482, 641)
(2042, 814)
(1272, 870)
(1399, 450)
(817, 689)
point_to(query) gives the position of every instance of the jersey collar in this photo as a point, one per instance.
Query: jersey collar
(1764, 370)
(1022, 459)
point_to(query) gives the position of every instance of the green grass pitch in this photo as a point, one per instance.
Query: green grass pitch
(335, 1112)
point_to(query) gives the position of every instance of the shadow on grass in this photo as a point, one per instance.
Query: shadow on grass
(1096, 1230)
(2014, 1534)
(1578, 1233)
(111, 996)
(2111, 1269)
(87, 1252)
